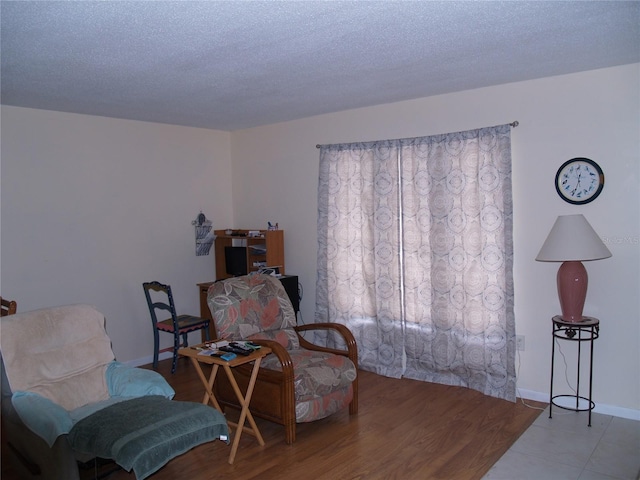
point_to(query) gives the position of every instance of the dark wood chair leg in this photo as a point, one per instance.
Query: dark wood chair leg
(290, 433)
(353, 406)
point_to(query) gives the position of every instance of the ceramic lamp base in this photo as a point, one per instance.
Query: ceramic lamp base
(572, 290)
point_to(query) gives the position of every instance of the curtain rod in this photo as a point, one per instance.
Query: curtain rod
(513, 124)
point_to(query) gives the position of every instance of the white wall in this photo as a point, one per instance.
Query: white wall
(592, 114)
(92, 207)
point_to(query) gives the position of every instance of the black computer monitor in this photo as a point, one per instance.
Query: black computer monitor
(235, 260)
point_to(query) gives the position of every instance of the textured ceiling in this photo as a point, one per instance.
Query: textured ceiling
(229, 65)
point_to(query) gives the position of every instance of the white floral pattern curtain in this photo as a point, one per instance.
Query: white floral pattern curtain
(415, 256)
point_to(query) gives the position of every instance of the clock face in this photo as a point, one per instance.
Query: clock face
(579, 181)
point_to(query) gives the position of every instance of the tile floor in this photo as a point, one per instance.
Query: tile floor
(565, 448)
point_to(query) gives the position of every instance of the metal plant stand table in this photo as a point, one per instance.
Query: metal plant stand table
(587, 330)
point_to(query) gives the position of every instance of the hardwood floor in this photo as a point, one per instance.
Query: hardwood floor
(405, 429)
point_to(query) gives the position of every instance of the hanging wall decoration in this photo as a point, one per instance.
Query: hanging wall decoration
(204, 235)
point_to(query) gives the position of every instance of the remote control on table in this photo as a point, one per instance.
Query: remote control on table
(250, 346)
(238, 350)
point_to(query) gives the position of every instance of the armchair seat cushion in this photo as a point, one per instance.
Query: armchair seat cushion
(316, 374)
(145, 433)
(315, 408)
(287, 337)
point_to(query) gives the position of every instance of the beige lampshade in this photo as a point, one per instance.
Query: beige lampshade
(572, 239)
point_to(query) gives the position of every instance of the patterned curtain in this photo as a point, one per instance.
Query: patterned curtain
(415, 256)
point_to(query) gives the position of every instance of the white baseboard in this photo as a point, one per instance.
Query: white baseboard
(138, 362)
(612, 410)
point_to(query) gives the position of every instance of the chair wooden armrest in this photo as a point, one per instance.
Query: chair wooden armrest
(344, 332)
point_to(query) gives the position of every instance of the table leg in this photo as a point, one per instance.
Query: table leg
(208, 384)
(245, 413)
(553, 352)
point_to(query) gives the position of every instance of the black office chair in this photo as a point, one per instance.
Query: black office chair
(177, 325)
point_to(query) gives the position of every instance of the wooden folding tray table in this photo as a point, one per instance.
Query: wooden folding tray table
(245, 414)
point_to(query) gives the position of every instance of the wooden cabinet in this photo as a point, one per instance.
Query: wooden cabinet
(261, 248)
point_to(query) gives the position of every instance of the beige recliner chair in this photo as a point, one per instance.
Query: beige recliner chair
(65, 398)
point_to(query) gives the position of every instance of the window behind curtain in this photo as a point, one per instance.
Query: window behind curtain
(415, 256)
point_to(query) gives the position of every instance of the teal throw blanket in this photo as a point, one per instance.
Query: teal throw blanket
(144, 433)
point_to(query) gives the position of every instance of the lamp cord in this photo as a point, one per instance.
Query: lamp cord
(566, 367)
(566, 376)
(522, 400)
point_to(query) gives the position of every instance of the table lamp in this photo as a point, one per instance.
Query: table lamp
(572, 241)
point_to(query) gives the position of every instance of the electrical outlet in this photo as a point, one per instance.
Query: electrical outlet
(520, 342)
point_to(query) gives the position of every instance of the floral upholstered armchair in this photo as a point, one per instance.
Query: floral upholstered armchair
(301, 381)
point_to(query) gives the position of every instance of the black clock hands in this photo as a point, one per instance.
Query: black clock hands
(577, 184)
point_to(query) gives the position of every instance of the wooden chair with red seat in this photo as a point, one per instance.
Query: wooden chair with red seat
(176, 325)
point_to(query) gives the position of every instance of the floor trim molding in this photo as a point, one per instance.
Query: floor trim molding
(612, 410)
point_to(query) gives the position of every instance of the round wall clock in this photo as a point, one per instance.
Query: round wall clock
(579, 181)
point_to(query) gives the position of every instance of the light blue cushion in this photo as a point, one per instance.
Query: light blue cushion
(126, 381)
(49, 420)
